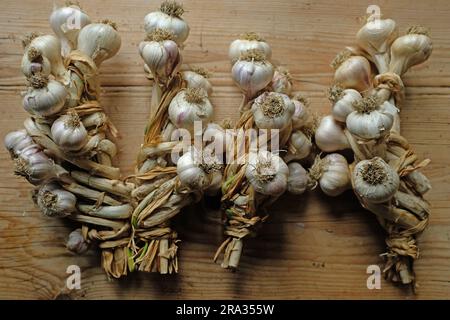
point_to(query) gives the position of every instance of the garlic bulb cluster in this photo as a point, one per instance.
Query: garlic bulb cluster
(68, 132)
(248, 41)
(198, 79)
(281, 81)
(252, 72)
(267, 173)
(76, 242)
(54, 201)
(272, 110)
(375, 181)
(44, 97)
(352, 72)
(330, 136)
(168, 18)
(342, 100)
(188, 106)
(297, 181)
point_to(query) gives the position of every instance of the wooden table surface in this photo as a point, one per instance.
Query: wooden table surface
(312, 246)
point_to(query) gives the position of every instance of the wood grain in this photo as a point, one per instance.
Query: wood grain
(312, 246)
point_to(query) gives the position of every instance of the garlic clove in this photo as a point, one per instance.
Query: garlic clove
(76, 242)
(330, 136)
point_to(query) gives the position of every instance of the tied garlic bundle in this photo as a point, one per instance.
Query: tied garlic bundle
(65, 150)
(365, 118)
(169, 175)
(271, 120)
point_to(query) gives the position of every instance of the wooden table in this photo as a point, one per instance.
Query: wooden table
(312, 246)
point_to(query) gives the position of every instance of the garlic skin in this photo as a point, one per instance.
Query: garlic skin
(16, 141)
(343, 102)
(300, 146)
(252, 72)
(33, 62)
(301, 114)
(169, 18)
(332, 173)
(352, 72)
(267, 173)
(375, 37)
(76, 242)
(196, 80)
(272, 110)
(69, 133)
(297, 181)
(162, 58)
(99, 41)
(34, 165)
(375, 181)
(54, 201)
(330, 136)
(66, 23)
(45, 99)
(247, 42)
(410, 50)
(281, 81)
(188, 106)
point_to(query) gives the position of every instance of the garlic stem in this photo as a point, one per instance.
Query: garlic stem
(108, 212)
(91, 194)
(116, 187)
(116, 225)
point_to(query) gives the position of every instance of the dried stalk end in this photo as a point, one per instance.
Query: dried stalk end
(300, 97)
(273, 106)
(49, 199)
(109, 23)
(69, 3)
(263, 171)
(227, 124)
(26, 40)
(38, 81)
(211, 167)
(418, 30)
(340, 58)
(367, 104)
(315, 172)
(194, 95)
(373, 173)
(73, 121)
(201, 71)
(21, 167)
(252, 36)
(172, 8)
(284, 71)
(309, 128)
(159, 35)
(34, 54)
(253, 55)
(335, 93)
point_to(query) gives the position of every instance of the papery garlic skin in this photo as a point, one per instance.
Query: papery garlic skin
(335, 175)
(54, 201)
(76, 242)
(343, 106)
(330, 136)
(267, 173)
(69, 133)
(354, 73)
(272, 110)
(34, 165)
(45, 101)
(99, 41)
(248, 42)
(33, 63)
(375, 181)
(17, 141)
(162, 58)
(281, 81)
(297, 181)
(373, 125)
(188, 106)
(66, 23)
(169, 19)
(301, 114)
(195, 80)
(300, 144)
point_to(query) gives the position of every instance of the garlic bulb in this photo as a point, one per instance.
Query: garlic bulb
(272, 110)
(252, 72)
(69, 133)
(188, 106)
(375, 181)
(301, 114)
(410, 50)
(332, 174)
(330, 136)
(297, 179)
(34, 165)
(247, 42)
(17, 141)
(162, 58)
(54, 201)
(375, 37)
(281, 81)
(99, 41)
(168, 18)
(76, 242)
(352, 72)
(369, 121)
(343, 100)
(33, 63)
(299, 146)
(194, 79)
(66, 23)
(267, 173)
(44, 97)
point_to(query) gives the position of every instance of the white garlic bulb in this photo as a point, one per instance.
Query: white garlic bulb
(272, 110)
(369, 121)
(99, 41)
(267, 173)
(301, 114)
(17, 141)
(388, 107)
(69, 133)
(375, 181)
(299, 146)
(330, 136)
(343, 100)
(33, 63)
(54, 201)
(197, 80)
(246, 42)
(252, 72)
(352, 72)
(298, 178)
(188, 106)
(76, 242)
(34, 165)
(332, 173)
(169, 18)
(66, 23)
(44, 97)
(281, 81)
